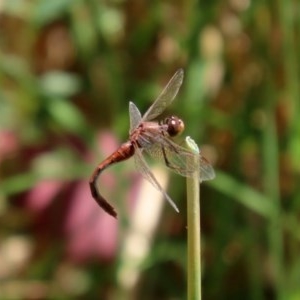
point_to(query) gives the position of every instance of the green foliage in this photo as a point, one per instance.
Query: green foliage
(67, 72)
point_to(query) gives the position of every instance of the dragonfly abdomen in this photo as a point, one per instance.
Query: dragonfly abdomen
(124, 152)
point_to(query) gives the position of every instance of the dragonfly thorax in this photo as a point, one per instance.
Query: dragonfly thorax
(174, 125)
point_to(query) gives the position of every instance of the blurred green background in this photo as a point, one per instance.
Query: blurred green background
(68, 69)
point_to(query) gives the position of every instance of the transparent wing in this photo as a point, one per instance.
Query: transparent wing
(134, 115)
(143, 168)
(165, 98)
(177, 158)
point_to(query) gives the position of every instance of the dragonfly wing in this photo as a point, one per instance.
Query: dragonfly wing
(206, 170)
(134, 115)
(143, 168)
(165, 98)
(177, 158)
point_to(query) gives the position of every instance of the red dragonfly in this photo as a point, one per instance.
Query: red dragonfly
(155, 139)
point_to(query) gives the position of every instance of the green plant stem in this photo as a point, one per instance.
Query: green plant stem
(193, 231)
(271, 183)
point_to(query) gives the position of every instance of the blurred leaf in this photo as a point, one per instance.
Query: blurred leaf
(18, 69)
(6, 112)
(83, 31)
(17, 7)
(68, 116)
(58, 163)
(111, 23)
(46, 11)
(244, 194)
(195, 90)
(60, 84)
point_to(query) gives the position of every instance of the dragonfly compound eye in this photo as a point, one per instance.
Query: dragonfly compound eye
(175, 125)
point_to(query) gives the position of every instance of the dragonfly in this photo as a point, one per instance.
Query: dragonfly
(155, 139)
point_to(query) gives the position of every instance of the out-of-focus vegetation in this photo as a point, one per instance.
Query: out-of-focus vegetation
(68, 69)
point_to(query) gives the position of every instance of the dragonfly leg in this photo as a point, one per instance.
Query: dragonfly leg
(165, 158)
(167, 162)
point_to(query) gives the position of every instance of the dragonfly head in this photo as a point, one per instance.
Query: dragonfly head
(175, 125)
